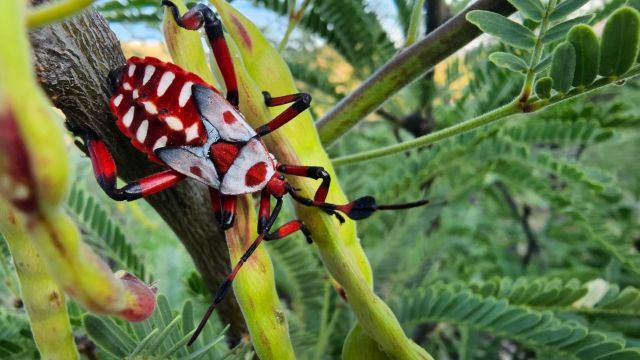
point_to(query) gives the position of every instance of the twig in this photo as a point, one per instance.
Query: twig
(532, 241)
(403, 69)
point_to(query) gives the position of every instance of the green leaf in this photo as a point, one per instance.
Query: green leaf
(507, 31)
(542, 65)
(620, 42)
(560, 31)
(108, 335)
(566, 8)
(509, 61)
(531, 9)
(563, 66)
(543, 87)
(587, 49)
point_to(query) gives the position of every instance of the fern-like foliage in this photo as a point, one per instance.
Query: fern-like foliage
(104, 232)
(163, 336)
(541, 331)
(349, 26)
(593, 297)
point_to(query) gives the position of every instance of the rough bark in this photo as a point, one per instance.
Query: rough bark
(72, 60)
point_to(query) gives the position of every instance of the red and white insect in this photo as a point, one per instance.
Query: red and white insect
(186, 125)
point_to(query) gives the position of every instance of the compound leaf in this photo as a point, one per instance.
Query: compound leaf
(507, 31)
(620, 42)
(587, 49)
(531, 9)
(509, 61)
(563, 66)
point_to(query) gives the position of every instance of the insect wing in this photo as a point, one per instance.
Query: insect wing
(191, 162)
(222, 115)
(250, 171)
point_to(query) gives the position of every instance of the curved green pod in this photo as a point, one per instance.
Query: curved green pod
(563, 64)
(298, 143)
(620, 42)
(34, 179)
(587, 49)
(254, 286)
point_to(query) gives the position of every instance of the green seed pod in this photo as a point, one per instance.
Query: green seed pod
(585, 43)
(620, 42)
(360, 346)
(563, 65)
(543, 87)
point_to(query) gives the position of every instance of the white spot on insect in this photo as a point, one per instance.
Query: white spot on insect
(134, 94)
(165, 82)
(132, 69)
(192, 132)
(148, 73)
(185, 93)
(128, 117)
(141, 134)
(127, 86)
(117, 100)
(161, 142)
(174, 123)
(150, 107)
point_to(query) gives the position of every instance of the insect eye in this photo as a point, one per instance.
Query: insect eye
(281, 177)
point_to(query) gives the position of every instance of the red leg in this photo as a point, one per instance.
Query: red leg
(198, 16)
(224, 287)
(265, 209)
(104, 169)
(300, 101)
(313, 172)
(289, 228)
(357, 209)
(228, 211)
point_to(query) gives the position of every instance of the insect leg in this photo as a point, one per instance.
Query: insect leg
(301, 102)
(228, 211)
(265, 210)
(104, 169)
(313, 172)
(198, 16)
(224, 287)
(357, 209)
(216, 204)
(289, 228)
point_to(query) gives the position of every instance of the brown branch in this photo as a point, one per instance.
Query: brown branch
(72, 60)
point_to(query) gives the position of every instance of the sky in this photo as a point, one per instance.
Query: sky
(273, 24)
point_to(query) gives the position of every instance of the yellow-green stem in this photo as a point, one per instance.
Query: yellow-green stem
(55, 11)
(414, 24)
(254, 286)
(536, 55)
(41, 296)
(297, 143)
(500, 113)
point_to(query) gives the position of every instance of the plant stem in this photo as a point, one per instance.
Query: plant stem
(404, 68)
(294, 18)
(48, 13)
(498, 114)
(536, 55)
(43, 299)
(414, 24)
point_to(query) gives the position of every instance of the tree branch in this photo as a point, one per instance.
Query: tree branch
(72, 60)
(404, 68)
